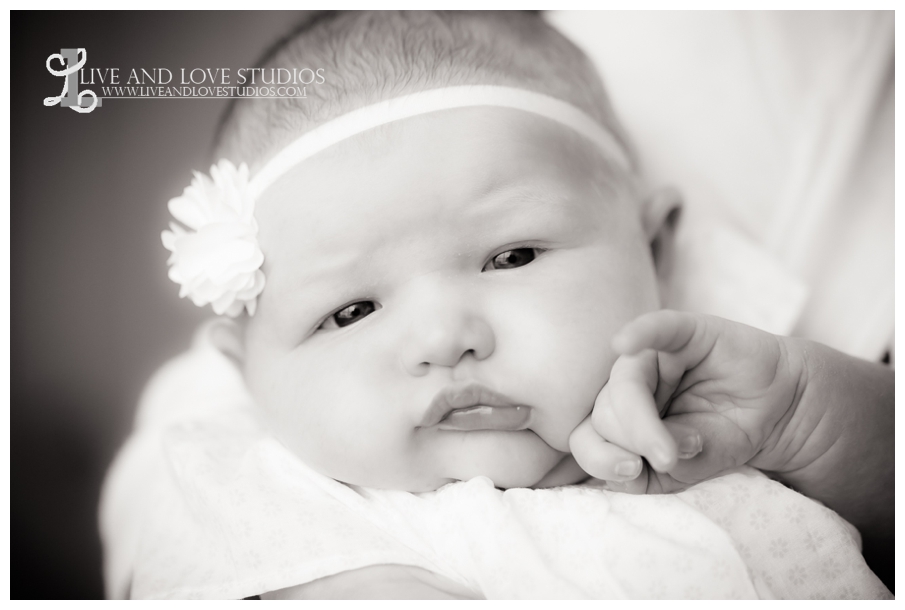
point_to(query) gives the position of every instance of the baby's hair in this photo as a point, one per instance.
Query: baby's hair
(367, 57)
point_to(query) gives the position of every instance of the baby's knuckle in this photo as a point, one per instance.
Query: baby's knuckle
(603, 417)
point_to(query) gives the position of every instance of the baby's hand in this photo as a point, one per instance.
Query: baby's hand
(695, 395)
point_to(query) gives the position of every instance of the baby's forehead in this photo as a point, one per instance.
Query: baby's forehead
(440, 162)
(444, 185)
(510, 144)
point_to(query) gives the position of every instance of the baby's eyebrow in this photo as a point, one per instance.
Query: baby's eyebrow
(325, 270)
(509, 197)
(516, 203)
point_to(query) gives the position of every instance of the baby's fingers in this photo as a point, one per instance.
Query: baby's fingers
(600, 458)
(663, 330)
(648, 482)
(626, 415)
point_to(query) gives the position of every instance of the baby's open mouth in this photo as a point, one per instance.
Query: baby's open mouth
(471, 406)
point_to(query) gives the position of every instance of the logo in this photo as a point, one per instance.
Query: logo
(72, 61)
(163, 83)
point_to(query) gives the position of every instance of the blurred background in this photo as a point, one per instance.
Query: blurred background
(780, 124)
(93, 313)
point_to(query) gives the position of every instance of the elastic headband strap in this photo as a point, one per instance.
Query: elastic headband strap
(433, 100)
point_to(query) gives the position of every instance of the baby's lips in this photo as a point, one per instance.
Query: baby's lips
(468, 396)
(484, 417)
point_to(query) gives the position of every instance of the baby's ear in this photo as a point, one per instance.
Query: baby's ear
(228, 336)
(660, 218)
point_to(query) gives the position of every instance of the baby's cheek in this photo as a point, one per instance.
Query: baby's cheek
(338, 418)
(558, 369)
(571, 361)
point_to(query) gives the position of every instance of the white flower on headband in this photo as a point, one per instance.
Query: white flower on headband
(219, 260)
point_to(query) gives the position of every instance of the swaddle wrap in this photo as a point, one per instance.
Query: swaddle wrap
(204, 503)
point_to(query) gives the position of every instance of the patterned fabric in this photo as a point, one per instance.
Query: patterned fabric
(203, 503)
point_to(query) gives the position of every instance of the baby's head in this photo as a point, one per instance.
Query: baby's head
(441, 291)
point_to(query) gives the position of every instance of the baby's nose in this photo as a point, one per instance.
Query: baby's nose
(443, 334)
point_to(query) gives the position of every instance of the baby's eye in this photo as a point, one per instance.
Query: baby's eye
(510, 259)
(350, 314)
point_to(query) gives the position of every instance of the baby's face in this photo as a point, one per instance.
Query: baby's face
(440, 299)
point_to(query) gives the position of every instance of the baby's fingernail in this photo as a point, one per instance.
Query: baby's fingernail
(629, 468)
(615, 485)
(690, 446)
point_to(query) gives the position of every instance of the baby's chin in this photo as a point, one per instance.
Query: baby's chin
(564, 472)
(509, 459)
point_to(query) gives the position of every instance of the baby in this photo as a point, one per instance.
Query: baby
(446, 267)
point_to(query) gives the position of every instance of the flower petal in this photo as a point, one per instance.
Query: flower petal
(217, 262)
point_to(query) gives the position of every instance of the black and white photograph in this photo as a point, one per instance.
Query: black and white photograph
(414, 304)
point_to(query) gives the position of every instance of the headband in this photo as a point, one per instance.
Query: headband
(216, 258)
